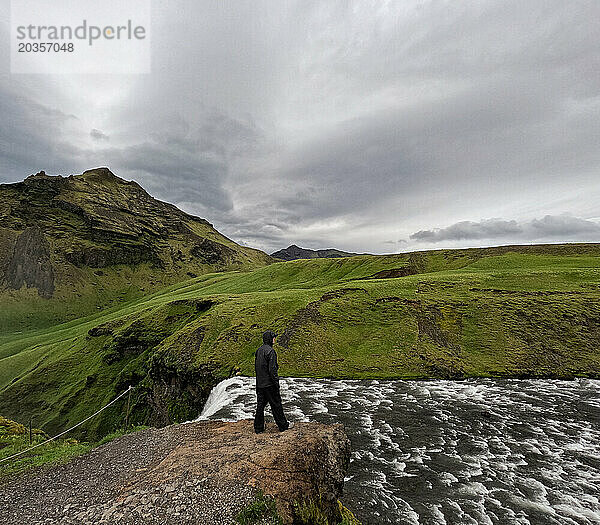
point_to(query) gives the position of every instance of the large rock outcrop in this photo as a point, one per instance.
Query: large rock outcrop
(30, 263)
(303, 465)
(202, 473)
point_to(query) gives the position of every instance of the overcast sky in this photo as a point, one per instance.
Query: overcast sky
(366, 126)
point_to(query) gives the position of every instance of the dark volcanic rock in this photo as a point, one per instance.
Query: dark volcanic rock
(210, 252)
(96, 257)
(175, 395)
(30, 263)
(393, 272)
(294, 252)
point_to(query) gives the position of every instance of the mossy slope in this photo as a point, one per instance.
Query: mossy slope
(72, 245)
(502, 312)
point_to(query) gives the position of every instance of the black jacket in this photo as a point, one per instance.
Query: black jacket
(265, 363)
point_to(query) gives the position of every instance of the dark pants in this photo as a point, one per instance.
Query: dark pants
(272, 396)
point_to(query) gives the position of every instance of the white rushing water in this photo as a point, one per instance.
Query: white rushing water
(521, 452)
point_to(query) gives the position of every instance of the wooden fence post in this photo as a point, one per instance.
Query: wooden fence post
(127, 413)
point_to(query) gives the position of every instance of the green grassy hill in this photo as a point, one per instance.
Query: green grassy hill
(520, 311)
(70, 246)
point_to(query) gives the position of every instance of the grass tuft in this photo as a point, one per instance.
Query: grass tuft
(262, 508)
(14, 438)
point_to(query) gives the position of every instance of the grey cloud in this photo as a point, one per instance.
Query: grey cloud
(565, 225)
(169, 172)
(187, 160)
(558, 227)
(486, 229)
(336, 124)
(399, 241)
(33, 137)
(96, 134)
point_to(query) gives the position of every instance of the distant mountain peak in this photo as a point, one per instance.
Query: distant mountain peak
(42, 175)
(294, 252)
(102, 172)
(95, 174)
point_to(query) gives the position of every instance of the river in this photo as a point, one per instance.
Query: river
(443, 452)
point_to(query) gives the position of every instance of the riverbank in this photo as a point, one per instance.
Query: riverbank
(203, 472)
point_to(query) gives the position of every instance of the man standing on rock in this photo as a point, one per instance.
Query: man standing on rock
(267, 385)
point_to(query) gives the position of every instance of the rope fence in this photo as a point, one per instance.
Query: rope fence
(69, 429)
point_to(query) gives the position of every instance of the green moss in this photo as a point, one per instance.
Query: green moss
(347, 517)
(308, 512)
(261, 509)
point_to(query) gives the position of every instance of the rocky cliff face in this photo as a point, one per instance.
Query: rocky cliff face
(94, 235)
(204, 472)
(30, 263)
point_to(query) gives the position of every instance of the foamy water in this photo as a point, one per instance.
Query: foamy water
(442, 452)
